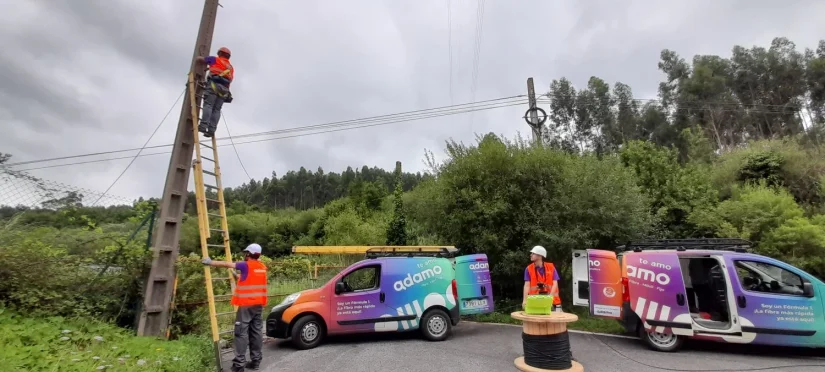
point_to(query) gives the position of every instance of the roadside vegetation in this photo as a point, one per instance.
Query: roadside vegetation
(709, 159)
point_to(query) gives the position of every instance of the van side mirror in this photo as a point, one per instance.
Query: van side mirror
(807, 289)
(340, 288)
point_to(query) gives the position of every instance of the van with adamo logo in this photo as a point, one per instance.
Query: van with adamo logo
(707, 289)
(392, 290)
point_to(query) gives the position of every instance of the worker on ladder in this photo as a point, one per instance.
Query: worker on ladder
(250, 297)
(216, 92)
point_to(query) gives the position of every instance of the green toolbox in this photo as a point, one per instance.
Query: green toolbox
(539, 305)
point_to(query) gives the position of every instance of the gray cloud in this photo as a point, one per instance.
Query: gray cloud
(90, 76)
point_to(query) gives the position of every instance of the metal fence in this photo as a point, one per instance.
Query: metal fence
(24, 191)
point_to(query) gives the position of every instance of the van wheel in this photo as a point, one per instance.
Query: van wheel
(435, 325)
(307, 332)
(665, 342)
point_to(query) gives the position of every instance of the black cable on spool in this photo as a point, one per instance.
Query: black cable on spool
(547, 351)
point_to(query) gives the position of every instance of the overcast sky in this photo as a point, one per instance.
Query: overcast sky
(98, 75)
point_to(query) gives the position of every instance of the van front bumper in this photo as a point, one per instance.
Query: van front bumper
(275, 325)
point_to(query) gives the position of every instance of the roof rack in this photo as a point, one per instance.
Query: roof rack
(446, 252)
(715, 244)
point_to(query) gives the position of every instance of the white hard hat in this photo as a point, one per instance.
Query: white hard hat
(253, 248)
(539, 250)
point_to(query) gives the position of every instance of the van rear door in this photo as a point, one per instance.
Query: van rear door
(605, 284)
(581, 281)
(475, 290)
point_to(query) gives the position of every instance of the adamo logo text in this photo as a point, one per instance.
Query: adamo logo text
(479, 266)
(647, 275)
(412, 280)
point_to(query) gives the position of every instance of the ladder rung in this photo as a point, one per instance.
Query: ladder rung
(213, 200)
(210, 173)
(210, 159)
(216, 296)
(226, 313)
(205, 145)
(226, 332)
(215, 245)
(215, 215)
(210, 186)
(221, 230)
(222, 278)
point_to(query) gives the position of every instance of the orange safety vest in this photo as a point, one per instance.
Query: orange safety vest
(222, 68)
(547, 279)
(251, 291)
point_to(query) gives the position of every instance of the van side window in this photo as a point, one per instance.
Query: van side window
(362, 279)
(766, 278)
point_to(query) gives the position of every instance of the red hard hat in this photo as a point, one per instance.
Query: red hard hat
(225, 50)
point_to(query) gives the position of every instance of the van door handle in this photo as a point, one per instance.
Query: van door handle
(741, 301)
(483, 290)
(680, 299)
(381, 297)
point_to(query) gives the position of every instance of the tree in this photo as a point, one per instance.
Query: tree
(397, 228)
(500, 197)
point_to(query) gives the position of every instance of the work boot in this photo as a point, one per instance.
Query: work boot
(203, 128)
(236, 369)
(253, 365)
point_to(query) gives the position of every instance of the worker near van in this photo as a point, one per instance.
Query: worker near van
(250, 297)
(216, 92)
(541, 277)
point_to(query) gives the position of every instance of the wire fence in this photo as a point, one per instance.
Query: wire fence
(24, 191)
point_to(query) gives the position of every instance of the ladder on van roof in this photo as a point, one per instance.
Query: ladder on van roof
(445, 252)
(715, 244)
(206, 194)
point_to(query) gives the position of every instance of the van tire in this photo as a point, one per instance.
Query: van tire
(307, 332)
(660, 342)
(436, 325)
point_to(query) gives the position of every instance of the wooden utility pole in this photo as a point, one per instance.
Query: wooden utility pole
(534, 115)
(157, 297)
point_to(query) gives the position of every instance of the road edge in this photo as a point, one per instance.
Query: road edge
(569, 330)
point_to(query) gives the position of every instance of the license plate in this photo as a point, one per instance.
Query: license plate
(472, 304)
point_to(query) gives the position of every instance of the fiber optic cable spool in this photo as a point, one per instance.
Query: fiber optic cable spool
(546, 343)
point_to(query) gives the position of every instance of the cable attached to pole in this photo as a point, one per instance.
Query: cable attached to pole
(141, 149)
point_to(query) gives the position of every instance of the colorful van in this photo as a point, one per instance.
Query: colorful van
(393, 290)
(708, 289)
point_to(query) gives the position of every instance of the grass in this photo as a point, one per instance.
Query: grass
(59, 344)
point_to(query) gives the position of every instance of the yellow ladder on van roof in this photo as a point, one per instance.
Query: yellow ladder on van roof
(206, 194)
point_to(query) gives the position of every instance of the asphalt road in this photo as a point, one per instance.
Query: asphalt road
(489, 347)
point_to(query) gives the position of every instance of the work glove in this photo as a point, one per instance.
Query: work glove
(207, 261)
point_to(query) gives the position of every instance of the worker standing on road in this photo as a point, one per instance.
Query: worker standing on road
(250, 297)
(541, 277)
(216, 92)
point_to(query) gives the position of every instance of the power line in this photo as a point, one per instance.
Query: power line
(141, 149)
(450, 46)
(226, 125)
(477, 51)
(288, 130)
(427, 116)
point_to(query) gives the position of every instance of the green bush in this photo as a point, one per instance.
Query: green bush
(82, 344)
(502, 197)
(778, 162)
(61, 273)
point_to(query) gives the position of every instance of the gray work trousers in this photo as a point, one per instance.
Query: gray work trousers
(249, 328)
(211, 112)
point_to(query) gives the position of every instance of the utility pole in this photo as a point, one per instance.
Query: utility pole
(533, 113)
(154, 315)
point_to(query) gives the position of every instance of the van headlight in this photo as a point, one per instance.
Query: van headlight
(291, 298)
